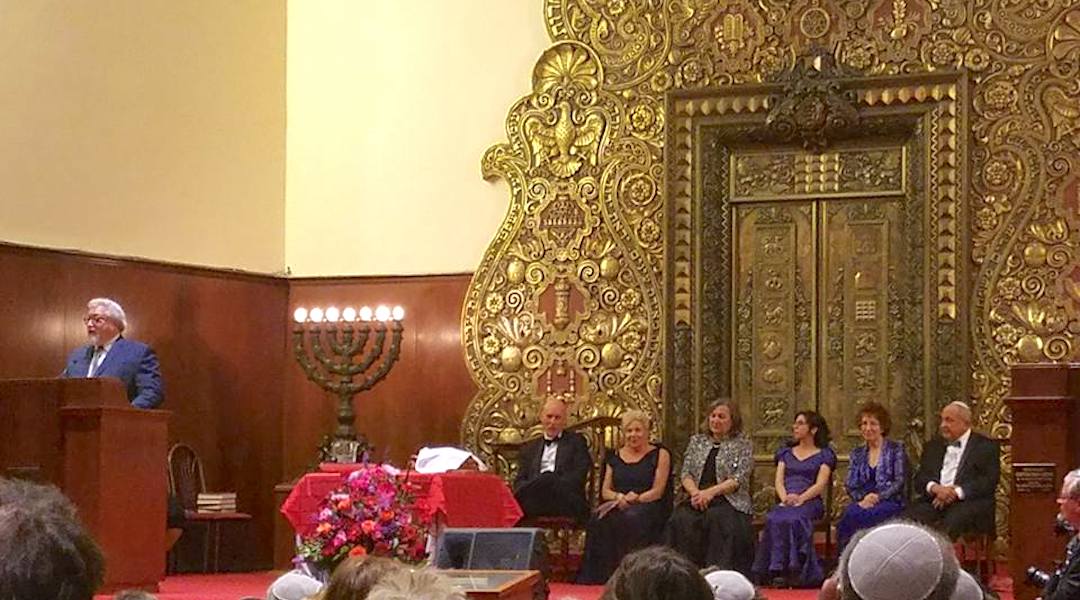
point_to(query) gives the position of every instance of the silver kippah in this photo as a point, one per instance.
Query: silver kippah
(966, 588)
(897, 561)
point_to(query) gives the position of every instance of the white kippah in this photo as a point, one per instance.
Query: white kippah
(966, 588)
(730, 585)
(897, 561)
(293, 586)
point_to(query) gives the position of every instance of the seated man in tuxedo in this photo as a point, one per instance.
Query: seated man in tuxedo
(553, 469)
(109, 354)
(957, 477)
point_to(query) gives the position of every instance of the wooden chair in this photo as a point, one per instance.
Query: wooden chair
(601, 433)
(975, 551)
(186, 482)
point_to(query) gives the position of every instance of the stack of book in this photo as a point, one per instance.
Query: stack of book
(217, 502)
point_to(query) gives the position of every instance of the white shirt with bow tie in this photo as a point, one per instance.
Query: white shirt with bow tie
(547, 459)
(950, 464)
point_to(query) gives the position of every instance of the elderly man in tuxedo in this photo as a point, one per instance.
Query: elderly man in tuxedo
(553, 469)
(109, 354)
(957, 477)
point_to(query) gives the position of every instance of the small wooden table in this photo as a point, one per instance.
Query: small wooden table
(489, 585)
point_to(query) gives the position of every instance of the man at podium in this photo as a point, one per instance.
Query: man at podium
(109, 354)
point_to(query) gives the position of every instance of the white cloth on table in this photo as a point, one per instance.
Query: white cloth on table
(444, 458)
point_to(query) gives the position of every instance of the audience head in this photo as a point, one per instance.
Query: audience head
(729, 585)
(635, 428)
(133, 595)
(967, 588)
(874, 421)
(656, 573)
(294, 585)
(355, 577)
(553, 417)
(1069, 499)
(955, 420)
(420, 584)
(899, 560)
(810, 424)
(723, 419)
(44, 551)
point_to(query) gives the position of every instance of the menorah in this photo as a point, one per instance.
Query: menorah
(329, 357)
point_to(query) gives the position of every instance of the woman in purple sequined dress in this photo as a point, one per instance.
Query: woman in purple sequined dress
(876, 475)
(786, 555)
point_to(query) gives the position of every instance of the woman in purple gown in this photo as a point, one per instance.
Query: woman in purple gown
(876, 476)
(786, 555)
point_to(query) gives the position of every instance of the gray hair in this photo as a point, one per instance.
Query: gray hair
(1072, 484)
(112, 309)
(45, 552)
(420, 584)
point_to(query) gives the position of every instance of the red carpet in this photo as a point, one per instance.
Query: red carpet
(232, 586)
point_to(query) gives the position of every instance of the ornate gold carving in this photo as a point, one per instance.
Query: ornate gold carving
(565, 303)
(793, 175)
(1024, 61)
(813, 110)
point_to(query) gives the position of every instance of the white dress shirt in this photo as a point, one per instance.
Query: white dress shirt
(100, 352)
(951, 463)
(547, 459)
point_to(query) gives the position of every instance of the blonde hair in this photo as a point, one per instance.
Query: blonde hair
(354, 578)
(635, 416)
(421, 584)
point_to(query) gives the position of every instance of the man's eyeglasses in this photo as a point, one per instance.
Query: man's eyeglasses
(95, 319)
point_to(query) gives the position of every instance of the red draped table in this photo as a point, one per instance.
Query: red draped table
(455, 499)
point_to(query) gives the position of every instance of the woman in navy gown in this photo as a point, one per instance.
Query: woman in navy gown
(876, 476)
(637, 498)
(786, 555)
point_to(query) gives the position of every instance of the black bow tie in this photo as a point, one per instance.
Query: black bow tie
(548, 442)
(955, 444)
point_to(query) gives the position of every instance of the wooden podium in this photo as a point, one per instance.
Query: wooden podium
(107, 456)
(1045, 404)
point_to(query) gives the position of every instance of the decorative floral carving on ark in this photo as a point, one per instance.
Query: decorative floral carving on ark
(605, 79)
(565, 303)
(813, 110)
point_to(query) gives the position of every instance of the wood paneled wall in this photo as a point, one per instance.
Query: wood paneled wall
(220, 337)
(423, 398)
(235, 391)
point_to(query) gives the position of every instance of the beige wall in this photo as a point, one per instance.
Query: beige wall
(391, 106)
(152, 128)
(157, 129)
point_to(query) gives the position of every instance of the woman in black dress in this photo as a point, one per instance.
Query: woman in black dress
(636, 501)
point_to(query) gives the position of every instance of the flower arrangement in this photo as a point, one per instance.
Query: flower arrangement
(372, 513)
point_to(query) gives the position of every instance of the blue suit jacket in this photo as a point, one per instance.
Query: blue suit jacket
(133, 363)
